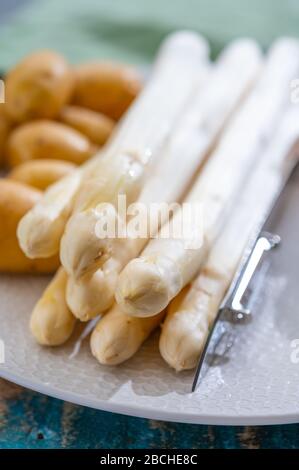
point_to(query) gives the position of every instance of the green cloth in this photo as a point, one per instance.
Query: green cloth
(131, 30)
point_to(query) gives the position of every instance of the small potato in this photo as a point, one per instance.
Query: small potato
(47, 139)
(108, 88)
(96, 126)
(38, 86)
(41, 173)
(15, 200)
(4, 131)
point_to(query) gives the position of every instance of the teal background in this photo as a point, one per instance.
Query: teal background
(132, 29)
(128, 30)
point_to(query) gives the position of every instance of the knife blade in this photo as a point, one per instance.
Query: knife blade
(232, 311)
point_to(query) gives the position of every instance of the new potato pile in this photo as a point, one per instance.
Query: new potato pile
(46, 132)
(196, 133)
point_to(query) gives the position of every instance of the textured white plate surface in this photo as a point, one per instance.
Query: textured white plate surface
(258, 384)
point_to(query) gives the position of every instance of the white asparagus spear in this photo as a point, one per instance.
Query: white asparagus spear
(182, 55)
(192, 138)
(93, 294)
(51, 321)
(121, 171)
(150, 282)
(117, 336)
(40, 230)
(187, 323)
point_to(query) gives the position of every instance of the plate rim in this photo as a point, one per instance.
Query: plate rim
(150, 413)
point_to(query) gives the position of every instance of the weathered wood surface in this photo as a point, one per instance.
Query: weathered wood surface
(32, 420)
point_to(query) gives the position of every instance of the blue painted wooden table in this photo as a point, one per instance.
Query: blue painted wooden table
(32, 420)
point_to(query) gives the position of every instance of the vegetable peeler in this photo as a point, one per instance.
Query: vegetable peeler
(233, 310)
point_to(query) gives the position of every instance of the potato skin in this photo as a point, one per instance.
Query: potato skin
(96, 126)
(4, 131)
(41, 173)
(108, 88)
(38, 86)
(15, 200)
(47, 139)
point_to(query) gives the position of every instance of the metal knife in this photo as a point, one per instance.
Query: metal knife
(232, 311)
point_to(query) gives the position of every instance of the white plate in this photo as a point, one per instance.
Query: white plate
(259, 384)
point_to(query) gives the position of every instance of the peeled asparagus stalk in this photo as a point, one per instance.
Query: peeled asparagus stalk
(121, 171)
(150, 282)
(92, 294)
(182, 55)
(40, 230)
(192, 138)
(187, 323)
(51, 321)
(117, 337)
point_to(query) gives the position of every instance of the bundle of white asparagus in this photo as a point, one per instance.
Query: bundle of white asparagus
(119, 335)
(181, 65)
(193, 136)
(148, 283)
(208, 127)
(120, 166)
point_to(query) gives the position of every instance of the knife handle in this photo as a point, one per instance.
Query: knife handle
(265, 242)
